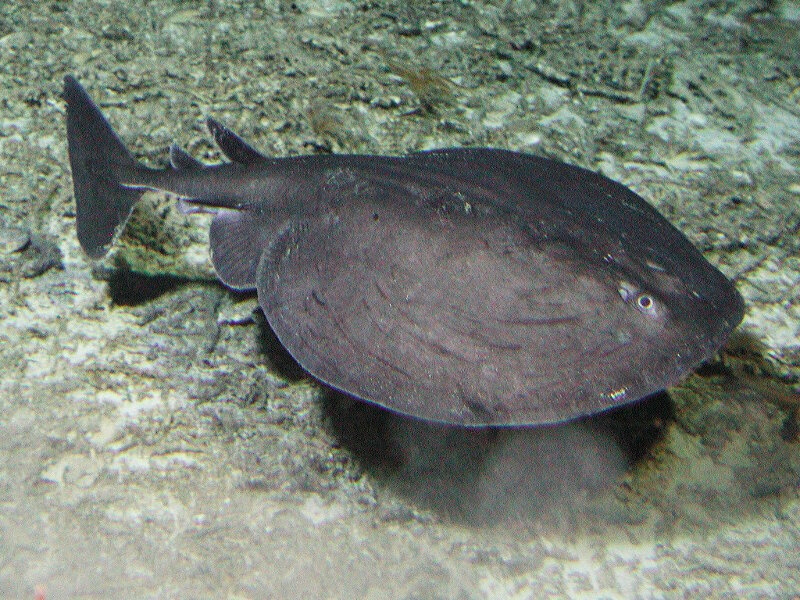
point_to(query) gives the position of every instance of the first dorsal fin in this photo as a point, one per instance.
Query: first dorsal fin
(234, 147)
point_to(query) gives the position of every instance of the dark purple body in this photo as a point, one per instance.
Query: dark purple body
(468, 286)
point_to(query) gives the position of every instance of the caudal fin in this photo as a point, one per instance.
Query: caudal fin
(96, 156)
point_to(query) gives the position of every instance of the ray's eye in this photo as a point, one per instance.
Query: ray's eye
(645, 304)
(642, 301)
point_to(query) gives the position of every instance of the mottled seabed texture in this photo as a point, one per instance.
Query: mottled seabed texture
(155, 440)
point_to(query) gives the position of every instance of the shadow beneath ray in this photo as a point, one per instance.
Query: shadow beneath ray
(485, 475)
(129, 288)
(276, 356)
(491, 475)
(677, 463)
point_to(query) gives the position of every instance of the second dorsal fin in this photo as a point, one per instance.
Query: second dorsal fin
(232, 146)
(180, 159)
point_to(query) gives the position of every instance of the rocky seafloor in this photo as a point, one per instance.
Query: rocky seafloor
(156, 441)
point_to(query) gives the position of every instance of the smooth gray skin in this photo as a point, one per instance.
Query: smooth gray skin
(467, 286)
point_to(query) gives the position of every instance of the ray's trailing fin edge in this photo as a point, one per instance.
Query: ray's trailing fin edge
(472, 286)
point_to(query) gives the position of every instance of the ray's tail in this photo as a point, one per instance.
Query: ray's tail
(97, 156)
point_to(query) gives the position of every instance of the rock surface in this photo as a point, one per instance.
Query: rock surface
(156, 441)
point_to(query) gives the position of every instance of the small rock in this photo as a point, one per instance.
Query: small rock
(38, 256)
(13, 239)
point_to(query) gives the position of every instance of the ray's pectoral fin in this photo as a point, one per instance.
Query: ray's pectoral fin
(270, 266)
